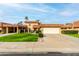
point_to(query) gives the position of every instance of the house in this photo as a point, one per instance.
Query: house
(29, 26)
(50, 28)
(71, 26)
(10, 28)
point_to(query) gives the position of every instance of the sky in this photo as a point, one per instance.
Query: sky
(50, 13)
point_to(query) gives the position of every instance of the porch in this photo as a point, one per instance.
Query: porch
(9, 28)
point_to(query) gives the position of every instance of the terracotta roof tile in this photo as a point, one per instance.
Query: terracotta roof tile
(66, 26)
(47, 25)
(2, 24)
(31, 22)
(76, 24)
(50, 25)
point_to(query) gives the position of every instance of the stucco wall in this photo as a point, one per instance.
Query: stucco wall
(30, 25)
(0, 28)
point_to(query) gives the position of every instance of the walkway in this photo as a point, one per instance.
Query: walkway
(6, 34)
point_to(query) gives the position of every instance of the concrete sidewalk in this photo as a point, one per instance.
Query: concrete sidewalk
(6, 34)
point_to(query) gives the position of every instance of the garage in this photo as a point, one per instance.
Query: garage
(51, 30)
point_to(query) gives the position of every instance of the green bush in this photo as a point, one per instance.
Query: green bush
(40, 35)
(38, 31)
(69, 32)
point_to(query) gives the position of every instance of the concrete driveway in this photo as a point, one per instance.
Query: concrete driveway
(59, 43)
(50, 43)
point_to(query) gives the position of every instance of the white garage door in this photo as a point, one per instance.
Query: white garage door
(51, 30)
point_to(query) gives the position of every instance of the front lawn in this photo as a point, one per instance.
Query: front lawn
(21, 37)
(74, 35)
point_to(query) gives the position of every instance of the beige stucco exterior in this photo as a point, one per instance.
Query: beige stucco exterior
(30, 25)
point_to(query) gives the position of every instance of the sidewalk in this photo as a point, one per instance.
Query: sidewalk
(6, 34)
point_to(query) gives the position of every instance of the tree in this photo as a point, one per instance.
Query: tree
(26, 18)
(68, 23)
(20, 22)
(38, 20)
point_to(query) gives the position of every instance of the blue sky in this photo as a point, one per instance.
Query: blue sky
(46, 13)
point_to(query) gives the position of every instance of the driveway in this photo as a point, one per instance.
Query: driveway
(60, 43)
(50, 43)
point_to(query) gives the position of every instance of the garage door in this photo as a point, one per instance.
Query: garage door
(51, 30)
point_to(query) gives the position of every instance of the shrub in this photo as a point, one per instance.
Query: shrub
(69, 32)
(40, 35)
(38, 31)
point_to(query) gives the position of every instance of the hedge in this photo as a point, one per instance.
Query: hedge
(69, 32)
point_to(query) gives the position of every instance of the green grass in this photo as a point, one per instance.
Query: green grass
(22, 37)
(74, 35)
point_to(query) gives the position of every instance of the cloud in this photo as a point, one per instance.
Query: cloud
(2, 13)
(23, 7)
(38, 11)
(69, 10)
(11, 5)
(33, 11)
(68, 13)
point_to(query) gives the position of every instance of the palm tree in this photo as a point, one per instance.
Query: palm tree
(26, 18)
(38, 20)
(20, 23)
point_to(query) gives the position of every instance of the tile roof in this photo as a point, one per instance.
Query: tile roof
(47, 25)
(2, 24)
(68, 25)
(51, 25)
(76, 24)
(31, 22)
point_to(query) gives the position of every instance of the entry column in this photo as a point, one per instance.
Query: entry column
(14, 29)
(17, 29)
(7, 31)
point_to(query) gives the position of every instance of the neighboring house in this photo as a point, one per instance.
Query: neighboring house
(29, 26)
(11, 28)
(71, 26)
